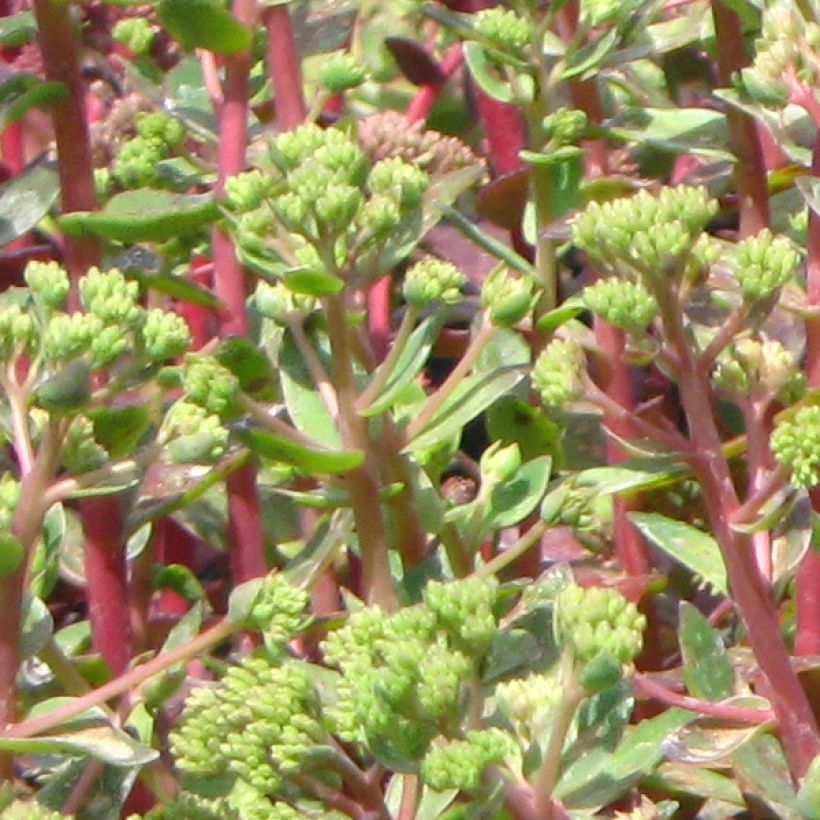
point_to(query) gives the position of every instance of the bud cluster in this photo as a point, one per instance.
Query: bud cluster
(763, 263)
(504, 30)
(431, 281)
(556, 375)
(278, 611)
(136, 164)
(596, 619)
(795, 443)
(751, 367)
(508, 299)
(626, 305)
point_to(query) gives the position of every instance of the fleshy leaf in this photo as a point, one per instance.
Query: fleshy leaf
(25, 199)
(309, 460)
(204, 24)
(707, 672)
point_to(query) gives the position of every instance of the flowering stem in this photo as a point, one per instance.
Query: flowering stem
(750, 168)
(284, 67)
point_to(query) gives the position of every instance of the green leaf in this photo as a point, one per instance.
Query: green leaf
(204, 24)
(320, 550)
(100, 740)
(12, 553)
(412, 359)
(676, 778)
(707, 671)
(45, 563)
(309, 460)
(17, 29)
(319, 28)
(556, 317)
(178, 578)
(690, 546)
(513, 500)
(809, 187)
(177, 287)
(312, 282)
(589, 58)
(760, 769)
(511, 420)
(472, 396)
(37, 628)
(306, 407)
(631, 476)
(698, 131)
(67, 391)
(248, 363)
(485, 73)
(242, 600)
(22, 92)
(120, 429)
(143, 215)
(25, 199)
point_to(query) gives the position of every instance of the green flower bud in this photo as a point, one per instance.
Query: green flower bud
(528, 703)
(165, 335)
(291, 148)
(111, 297)
(460, 764)
(135, 166)
(403, 182)
(499, 463)
(210, 385)
(763, 263)
(81, 452)
(340, 72)
(278, 611)
(464, 610)
(193, 435)
(17, 332)
(565, 126)
(433, 280)
(69, 335)
(259, 222)
(751, 367)
(48, 282)
(336, 208)
(380, 215)
(556, 375)
(188, 806)
(107, 346)
(247, 191)
(504, 29)
(279, 303)
(135, 33)
(9, 498)
(795, 443)
(293, 210)
(508, 299)
(626, 305)
(161, 126)
(593, 619)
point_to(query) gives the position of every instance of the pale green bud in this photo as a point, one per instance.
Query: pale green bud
(507, 299)
(210, 384)
(193, 435)
(557, 373)
(500, 463)
(159, 125)
(17, 332)
(70, 335)
(400, 180)
(134, 32)
(111, 297)
(623, 304)
(795, 443)
(108, 345)
(433, 280)
(48, 282)
(340, 72)
(165, 335)
(764, 263)
(565, 125)
(81, 452)
(248, 190)
(337, 206)
(460, 764)
(504, 29)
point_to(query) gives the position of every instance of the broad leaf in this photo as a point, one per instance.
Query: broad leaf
(204, 24)
(17, 29)
(37, 627)
(486, 73)
(309, 460)
(631, 476)
(248, 363)
(690, 546)
(120, 429)
(22, 92)
(707, 671)
(25, 199)
(178, 287)
(513, 500)
(143, 215)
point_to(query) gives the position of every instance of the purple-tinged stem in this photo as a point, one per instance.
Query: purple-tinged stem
(750, 169)
(247, 556)
(807, 638)
(284, 67)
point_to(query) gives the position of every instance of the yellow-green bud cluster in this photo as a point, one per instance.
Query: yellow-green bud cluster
(67, 336)
(136, 163)
(595, 619)
(528, 703)
(464, 609)
(48, 283)
(751, 367)
(9, 498)
(504, 29)
(135, 33)
(29, 810)
(460, 764)
(188, 806)
(340, 72)
(648, 236)
(280, 304)
(248, 190)
(16, 332)
(763, 263)
(278, 611)
(159, 125)
(397, 179)
(556, 375)
(795, 443)
(508, 299)
(81, 452)
(192, 434)
(564, 126)
(433, 280)
(210, 385)
(627, 305)
(111, 297)
(260, 724)
(165, 335)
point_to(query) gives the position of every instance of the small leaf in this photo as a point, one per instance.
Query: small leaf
(25, 199)
(514, 499)
(511, 420)
(12, 553)
(17, 29)
(631, 476)
(248, 363)
(413, 357)
(312, 282)
(589, 58)
(760, 769)
(22, 92)
(67, 391)
(143, 215)
(177, 287)
(37, 628)
(485, 73)
(242, 601)
(204, 24)
(306, 459)
(178, 578)
(414, 60)
(690, 546)
(707, 672)
(120, 429)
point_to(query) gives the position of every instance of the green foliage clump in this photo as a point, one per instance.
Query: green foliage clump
(192, 434)
(210, 385)
(81, 452)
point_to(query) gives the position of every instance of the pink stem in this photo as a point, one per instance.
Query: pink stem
(105, 578)
(420, 107)
(807, 639)
(284, 67)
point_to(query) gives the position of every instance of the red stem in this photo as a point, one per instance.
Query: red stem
(426, 96)
(750, 169)
(284, 67)
(105, 578)
(247, 556)
(807, 639)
